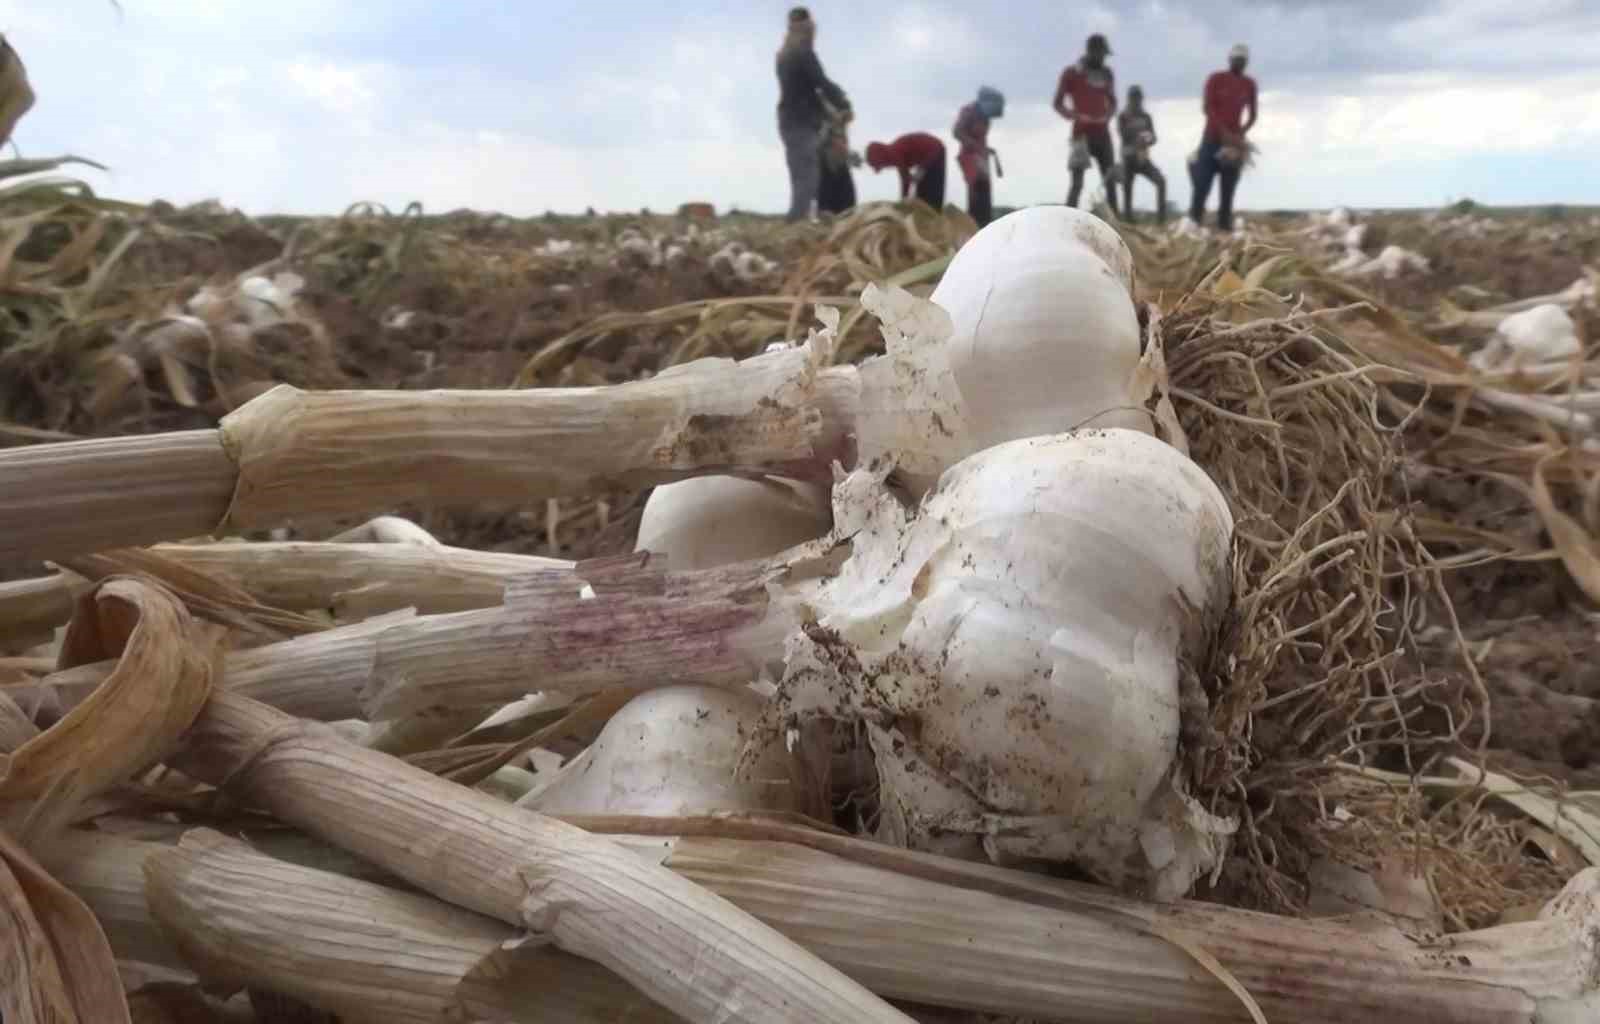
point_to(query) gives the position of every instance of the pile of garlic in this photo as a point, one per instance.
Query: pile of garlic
(1031, 572)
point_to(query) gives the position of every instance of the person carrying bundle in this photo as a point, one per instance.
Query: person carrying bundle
(1223, 148)
(803, 88)
(920, 158)
(1138, 131)
(1091, 87)
(975, 157)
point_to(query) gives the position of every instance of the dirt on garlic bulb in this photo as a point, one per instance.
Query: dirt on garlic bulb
(1014, 645)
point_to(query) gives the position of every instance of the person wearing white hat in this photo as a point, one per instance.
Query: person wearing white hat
(1229, 96)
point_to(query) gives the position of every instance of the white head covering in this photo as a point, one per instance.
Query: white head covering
(1239, 52)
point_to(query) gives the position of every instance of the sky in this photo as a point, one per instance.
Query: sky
(523, 106)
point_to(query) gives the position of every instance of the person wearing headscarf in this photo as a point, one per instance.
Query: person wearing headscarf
(802, 88)
(1223, 152)
(1086, 95)
(920, 159)
(1138, 131)
(975, 158)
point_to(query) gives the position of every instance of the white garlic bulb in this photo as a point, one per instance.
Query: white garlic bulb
(1015, 648)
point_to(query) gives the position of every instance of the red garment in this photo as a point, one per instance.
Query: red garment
(1094, 96)
(910, 151)
(1227, 97)
(972, 131)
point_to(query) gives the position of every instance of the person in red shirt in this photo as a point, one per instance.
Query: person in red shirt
(975, 157)
(919, 157)
(1091, 87)
(1229, 96)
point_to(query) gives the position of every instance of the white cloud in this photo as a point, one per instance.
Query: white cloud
(338, 89)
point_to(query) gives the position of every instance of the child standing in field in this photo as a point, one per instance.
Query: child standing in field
(1223, 148)
(972, 132)
(919, 157)
(836, 191)
(1091, 87)
(1138, 131)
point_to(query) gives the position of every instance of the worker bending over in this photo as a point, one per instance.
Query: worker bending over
(919, 157)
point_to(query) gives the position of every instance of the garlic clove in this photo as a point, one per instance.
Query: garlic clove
(708, 521)
(1045, 336)
(674, 751)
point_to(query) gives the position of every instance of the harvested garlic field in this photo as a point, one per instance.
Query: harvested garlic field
(401, 653)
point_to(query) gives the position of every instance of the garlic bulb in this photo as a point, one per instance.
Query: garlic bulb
(673, 751)
(1539, 335)
(1015, 648)
(1045, 333)
(707, 521)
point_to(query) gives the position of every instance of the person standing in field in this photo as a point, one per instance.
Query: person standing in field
(1229, 96)
(920, 158)
(1138, 131)
(1091, 88)
(802, 88)
(975, 158)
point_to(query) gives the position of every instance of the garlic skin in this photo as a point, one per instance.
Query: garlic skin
(1015, 649)
(708, 521)
(1045, 336)
(673, 751)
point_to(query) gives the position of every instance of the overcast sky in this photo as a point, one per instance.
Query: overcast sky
(309, 105)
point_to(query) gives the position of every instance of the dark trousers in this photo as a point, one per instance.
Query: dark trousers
(837, 190)
(1133, 167)
(931, 188)
(980, 201)
(1206, 167)
(1099, 142)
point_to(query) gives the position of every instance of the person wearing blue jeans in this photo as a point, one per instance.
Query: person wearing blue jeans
(1229, 96)
(1210, 164)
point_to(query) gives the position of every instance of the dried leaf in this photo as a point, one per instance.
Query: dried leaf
(134, 718)
(56, 966)
(205, 594)
(1572, 541)
(1227, 284)
(16, 728)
